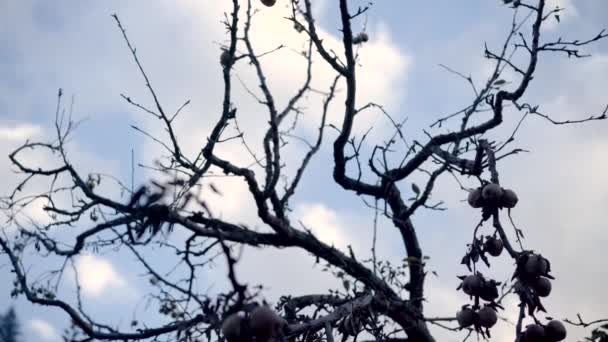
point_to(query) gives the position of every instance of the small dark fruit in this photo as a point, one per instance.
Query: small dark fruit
(493, 246)
(534, 333)
(465, 317)
(266, 323)
(536, 265)
(543, 287)
(471, 285)
(492, 193)
(475, 199)
(231, 328)
(489, 292)
(509, 198)
(225, 58)
(555, 330)
(269, 3)
(360, 38)
(487, 317)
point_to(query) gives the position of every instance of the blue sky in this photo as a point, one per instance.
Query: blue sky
(75, 45)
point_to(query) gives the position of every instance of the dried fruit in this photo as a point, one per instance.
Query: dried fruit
(225, 58)
(360, 38)
(487, 317)
(91, 182)
(471, 285)
(475, 199)
(489, 291)
(231, 328)
(536, 265)
(542, 287)
(493, 246)
(298, 27)
(266, 324)
(492, 193)
(465, 317)
(269, 3)
(509, 198)
(555, 331)
(533, 333)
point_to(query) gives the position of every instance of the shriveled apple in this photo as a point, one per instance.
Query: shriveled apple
(534, 333)
(475, 199)
(360, 38)
(266, 324)
(231, 328)
(465, 317)
(487, 317)
(492, 193)
(509, 198)
(471, 285)
(493, 246)
(555, 331)
(536, 265)
(225, 58)
(543, 287)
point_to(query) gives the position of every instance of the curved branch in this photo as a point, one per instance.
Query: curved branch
(86, 326)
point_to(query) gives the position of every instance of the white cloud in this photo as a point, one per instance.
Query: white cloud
(19, 132)
(381, 79)
(324, 224)
(15, 135)
(195, 54)
(97, 276)
(44, 329)
(182, 64)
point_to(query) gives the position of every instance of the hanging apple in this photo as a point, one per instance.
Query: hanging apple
(543, 287)
(492, 193)
(536, 265)
(465, 317)
(555, 331)
(231, 328)
(493, 246)
(471, 285)
(475, 199)
(533, 333)
(487, 317)
(266, 324)
(509, 198)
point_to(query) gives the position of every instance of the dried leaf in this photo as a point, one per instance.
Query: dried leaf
(416, 189)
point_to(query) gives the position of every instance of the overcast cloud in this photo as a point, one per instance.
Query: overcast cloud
(562, 183)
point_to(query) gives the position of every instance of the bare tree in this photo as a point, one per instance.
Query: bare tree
(380, 302)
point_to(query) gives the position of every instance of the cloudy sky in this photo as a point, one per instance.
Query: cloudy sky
(75, 45)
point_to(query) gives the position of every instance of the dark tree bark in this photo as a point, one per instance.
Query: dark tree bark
(381, 301)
